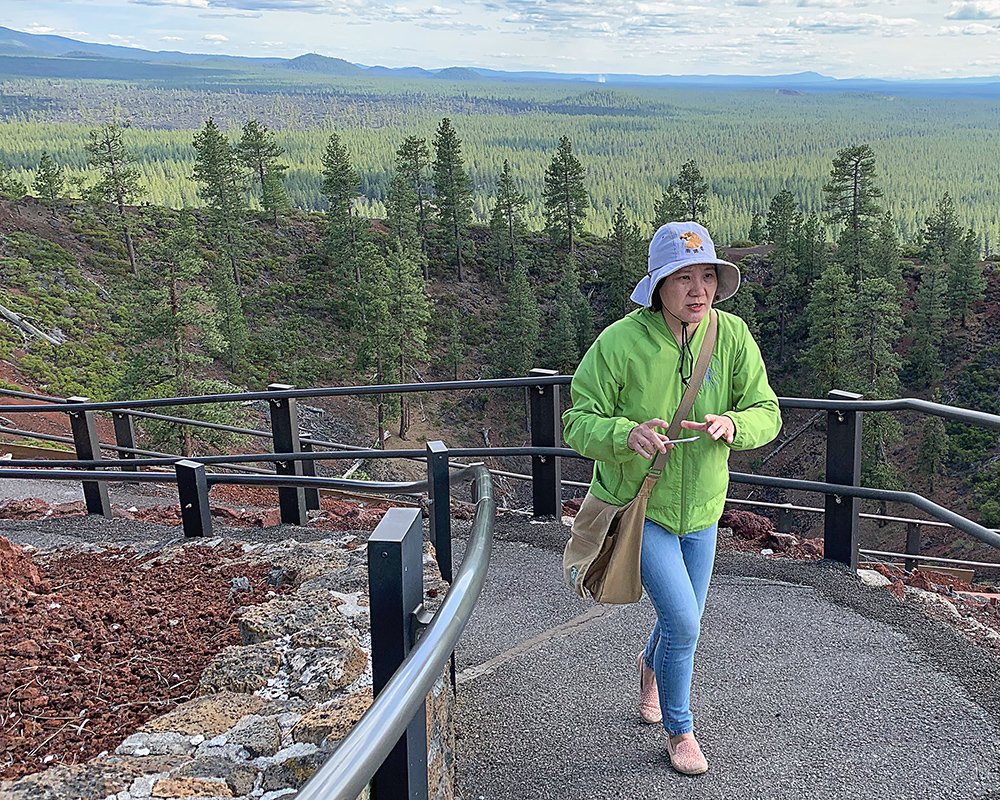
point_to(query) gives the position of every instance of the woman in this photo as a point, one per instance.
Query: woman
(625, 392)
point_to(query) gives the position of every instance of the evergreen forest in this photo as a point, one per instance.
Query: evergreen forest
(376, 233)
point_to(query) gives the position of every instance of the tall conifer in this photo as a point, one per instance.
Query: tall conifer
(49, 181)
(452, 192)
(564, 196)
(507, 226)
(624, 266)
(850, 198)
(222, 185)
(119, 184)
(259, 153)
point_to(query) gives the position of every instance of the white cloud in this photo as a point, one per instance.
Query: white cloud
(441, 11)
(215, 37)
(839, 22)
(182, 3)
(171, 38)
(36, 28)
(973, 29)
(828, 3)
(975, 9)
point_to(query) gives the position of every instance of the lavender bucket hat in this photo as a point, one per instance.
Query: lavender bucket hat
(677, 245)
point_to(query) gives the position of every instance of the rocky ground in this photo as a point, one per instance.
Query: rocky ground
(96, 643)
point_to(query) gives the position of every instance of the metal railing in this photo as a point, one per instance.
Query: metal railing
(292, 446)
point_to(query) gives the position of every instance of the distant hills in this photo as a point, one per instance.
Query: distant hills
(45, 55)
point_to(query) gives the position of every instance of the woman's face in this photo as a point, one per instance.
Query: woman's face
(689, 292)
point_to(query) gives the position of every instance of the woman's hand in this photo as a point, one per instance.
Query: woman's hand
(645, 441)
(714, 425)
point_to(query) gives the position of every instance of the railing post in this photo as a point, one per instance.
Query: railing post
(88, 448)
(439, 505)
(309, 468)
(124, 437)
(843, 466)
(912, 545)
(546, 471)
(285, 427)
(192, 489)
(395, 586)
(785, 519)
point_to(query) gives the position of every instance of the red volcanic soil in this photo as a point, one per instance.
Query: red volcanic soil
(94, 644)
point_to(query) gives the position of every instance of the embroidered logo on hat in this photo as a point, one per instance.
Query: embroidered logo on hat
(692, 241)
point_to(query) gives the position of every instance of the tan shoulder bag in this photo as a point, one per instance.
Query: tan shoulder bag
(605, 544)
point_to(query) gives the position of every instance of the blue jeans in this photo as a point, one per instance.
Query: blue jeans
(676, 571)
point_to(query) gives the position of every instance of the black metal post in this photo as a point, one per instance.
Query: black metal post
(88, 448)
(843, 466)
(124, 436)
(395, 585)
(912, 545)
(546, 471)
(439, 505)
(309, 468)
(192, 488)
(285, 427)
(784, 520)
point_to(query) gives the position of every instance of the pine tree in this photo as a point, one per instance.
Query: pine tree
(222, 186)
(624, 266)
(412, 161)
(885, 256)
(874, 372)
(811, 249)
(693, 190)
(573, 327)
(941, 233)
(401, 213)
(784, 221)
(409, 310)
(669, 208)
(564, 196)
(966, 281)
(828, 350)
(516, 344)
(232, 322)
(379, 338)
(119, 184)
(926, 325)
(849, 197)
(757, 232)
(259, 153)
(173, 334)
(507, 226)
(48, 181)
(341, 186)
(10, 187)
(452, 191)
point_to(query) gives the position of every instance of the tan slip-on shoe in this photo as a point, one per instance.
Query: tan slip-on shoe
(686, 756)
(649, 695)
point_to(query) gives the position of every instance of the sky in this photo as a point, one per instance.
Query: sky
(839, 38)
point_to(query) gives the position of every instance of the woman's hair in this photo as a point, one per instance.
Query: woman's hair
(656, 303)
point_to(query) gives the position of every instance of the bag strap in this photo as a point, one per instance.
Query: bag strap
(687, 401)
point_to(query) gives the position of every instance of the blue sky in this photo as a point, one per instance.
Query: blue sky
(841, 38)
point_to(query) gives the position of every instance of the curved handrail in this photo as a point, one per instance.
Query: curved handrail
(357, 758)
(984, 535)
(899, 404)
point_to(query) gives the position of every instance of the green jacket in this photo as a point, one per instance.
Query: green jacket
(630, 375)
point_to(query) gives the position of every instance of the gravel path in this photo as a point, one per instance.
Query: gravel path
(807, 684)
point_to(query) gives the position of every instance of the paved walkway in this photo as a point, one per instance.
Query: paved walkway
(807, 685)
